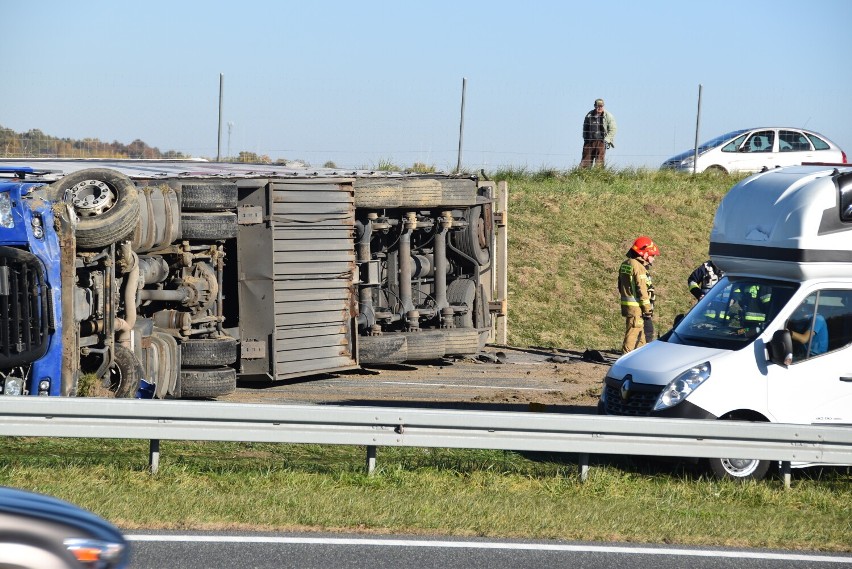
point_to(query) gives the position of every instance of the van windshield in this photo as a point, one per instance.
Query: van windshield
(732, 313)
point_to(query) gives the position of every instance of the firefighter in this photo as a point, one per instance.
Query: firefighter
(702, 279)
(633, 281)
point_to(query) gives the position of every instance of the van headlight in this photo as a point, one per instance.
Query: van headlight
(680, 387)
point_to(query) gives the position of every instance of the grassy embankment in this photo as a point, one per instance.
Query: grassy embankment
(568, 233)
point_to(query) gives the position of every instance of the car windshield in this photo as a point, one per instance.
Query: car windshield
(732, 314)
(713, 143)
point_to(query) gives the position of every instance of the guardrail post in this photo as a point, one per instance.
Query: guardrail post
(154, 455)
(785, 473)
(584, 466)
(371, 459)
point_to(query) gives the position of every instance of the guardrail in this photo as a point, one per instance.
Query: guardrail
(392, 426)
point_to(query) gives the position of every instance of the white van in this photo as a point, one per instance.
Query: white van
(772, 341)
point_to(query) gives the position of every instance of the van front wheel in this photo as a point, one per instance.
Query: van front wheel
(739, 468)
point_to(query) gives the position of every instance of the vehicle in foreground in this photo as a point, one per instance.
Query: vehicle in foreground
(772, 341)
(174, 278)
(42, 532)
(752, 150)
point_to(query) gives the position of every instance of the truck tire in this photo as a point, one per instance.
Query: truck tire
(207, 352)
(105, 203)
(739, 469)
(390, 348)
(425, 345)
(208, 197)
(413, 192)
(461, 342)
(475, 239)
(462, 292)
(482, 319)
(208, 226)
(207, 383)
(125, 375)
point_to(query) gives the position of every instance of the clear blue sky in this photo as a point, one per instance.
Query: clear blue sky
(363, 82)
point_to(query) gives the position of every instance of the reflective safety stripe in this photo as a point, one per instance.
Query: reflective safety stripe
(755, 316)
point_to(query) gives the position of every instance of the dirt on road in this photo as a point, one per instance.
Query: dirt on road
(504, 378)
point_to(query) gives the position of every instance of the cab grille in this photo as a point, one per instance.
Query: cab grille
(639, 403)
(24, 308)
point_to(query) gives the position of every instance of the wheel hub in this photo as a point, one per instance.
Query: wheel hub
(91, 198)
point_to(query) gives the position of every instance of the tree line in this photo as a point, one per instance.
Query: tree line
(36, 144)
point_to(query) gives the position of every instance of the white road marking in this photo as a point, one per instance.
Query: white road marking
(490, 545)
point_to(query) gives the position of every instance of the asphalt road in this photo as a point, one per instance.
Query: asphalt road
(333, 551)
(525, 379)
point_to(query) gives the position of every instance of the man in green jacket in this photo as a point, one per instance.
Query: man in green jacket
(598, 135)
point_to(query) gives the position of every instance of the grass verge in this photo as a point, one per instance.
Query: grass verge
(267, 487)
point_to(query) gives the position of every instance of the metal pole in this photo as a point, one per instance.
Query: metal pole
(461, 125)
(697, 125)
(371, 459)
(583, 461)
(230, 128)
(219, 130)
(154, 455)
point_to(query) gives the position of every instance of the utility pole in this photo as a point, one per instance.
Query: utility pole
(461, 126)
(230, 128)
(697, 125)
(219, 130)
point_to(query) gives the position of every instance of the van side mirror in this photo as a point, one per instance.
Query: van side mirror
(781, 348)
(677, 320)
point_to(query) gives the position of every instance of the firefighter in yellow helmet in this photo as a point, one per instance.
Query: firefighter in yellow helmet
(633, 285)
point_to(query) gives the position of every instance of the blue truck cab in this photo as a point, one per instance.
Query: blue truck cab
(30, 315)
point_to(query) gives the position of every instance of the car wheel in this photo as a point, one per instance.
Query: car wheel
(715, 170)
(739, 468)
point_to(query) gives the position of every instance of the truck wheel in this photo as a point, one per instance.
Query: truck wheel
(425, 345)
(462, 292)
(461, 342)
(125, 375)
(208, 226)
(475, 239)
(389, 192)
(739, 468)
(105, 203)
(482, 315)
(207, 352)
(204, 383)
(208, 197)
(385, 349)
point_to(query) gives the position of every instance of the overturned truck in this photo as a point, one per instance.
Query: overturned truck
(177, 278)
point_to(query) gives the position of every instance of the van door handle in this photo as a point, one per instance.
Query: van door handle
(847, 378)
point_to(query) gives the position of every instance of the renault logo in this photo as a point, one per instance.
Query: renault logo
(625, 388)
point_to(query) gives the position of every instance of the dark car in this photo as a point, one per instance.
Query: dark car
(42, 532)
